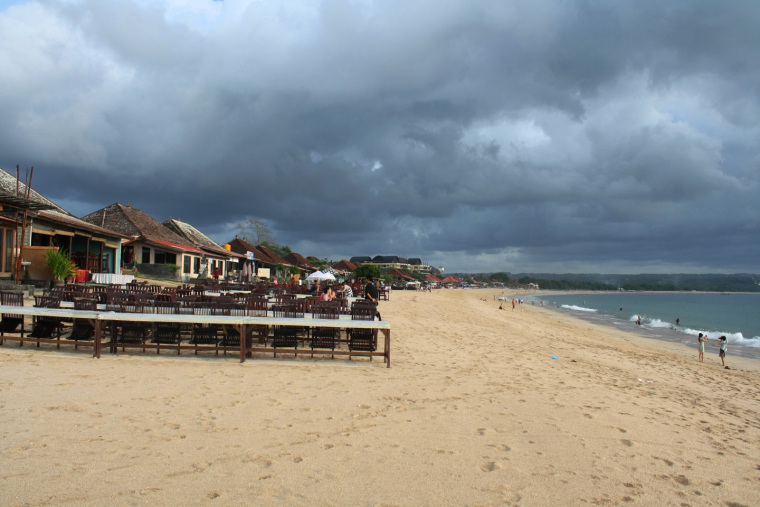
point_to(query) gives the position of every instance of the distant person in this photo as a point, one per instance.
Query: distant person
(370, 291)
(702, 339)
(513, 304)
(501, 306)
(347, 291)
(722, 351)
(678, 321)
(638, 320)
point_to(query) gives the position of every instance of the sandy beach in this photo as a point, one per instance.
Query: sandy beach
(473, 411)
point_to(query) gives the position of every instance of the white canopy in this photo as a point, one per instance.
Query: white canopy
(319, 275)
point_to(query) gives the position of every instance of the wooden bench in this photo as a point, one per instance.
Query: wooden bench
(100, 319)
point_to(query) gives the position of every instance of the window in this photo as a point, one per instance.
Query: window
(162, 257)
(146, 255)
(186, 263)
(196, 265)
(128, 255)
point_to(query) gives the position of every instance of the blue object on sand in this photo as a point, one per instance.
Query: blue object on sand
(555, 357)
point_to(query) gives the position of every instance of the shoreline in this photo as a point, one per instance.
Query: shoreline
(663, 334)
(475, 410)
(635, 335)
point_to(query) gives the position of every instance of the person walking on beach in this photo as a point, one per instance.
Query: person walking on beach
(702, 339)
(722, 351)
(513, 304)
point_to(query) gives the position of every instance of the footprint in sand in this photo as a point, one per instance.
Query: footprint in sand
(682, 480)
(327, 446)
(489, 466)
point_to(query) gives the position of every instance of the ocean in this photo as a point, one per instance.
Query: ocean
(737, 316)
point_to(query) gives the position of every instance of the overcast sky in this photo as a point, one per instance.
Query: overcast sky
(478, 135)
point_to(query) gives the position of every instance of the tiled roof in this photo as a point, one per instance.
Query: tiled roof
(133, 223)
(397, 273)
(57, 217)
(176, 246)
(388, 259)
(344, 265)
(297, 259)
(197, 238)
(241, 246)
(268, 252)
(8, 187)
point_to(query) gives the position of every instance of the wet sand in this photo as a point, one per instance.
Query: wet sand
(474, 411)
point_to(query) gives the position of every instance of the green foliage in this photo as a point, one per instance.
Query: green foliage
(59, 263)
(367, 270)
(320, 264)
(565, 284)
(173, 267)
(500, 277)
(294, 270)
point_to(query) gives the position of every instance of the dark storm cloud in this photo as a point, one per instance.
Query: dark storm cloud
(483, 136)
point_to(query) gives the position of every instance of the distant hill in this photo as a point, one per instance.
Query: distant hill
(684, 282)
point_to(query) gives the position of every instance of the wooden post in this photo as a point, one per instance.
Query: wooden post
(387, 333)
(241, 329)
(98, 337)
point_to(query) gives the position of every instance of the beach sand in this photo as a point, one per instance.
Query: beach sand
(473, 411)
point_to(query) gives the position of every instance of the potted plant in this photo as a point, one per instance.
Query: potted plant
(59, 264)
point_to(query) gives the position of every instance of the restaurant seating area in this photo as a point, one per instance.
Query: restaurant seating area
(205, 319)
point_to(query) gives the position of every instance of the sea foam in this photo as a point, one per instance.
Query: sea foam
(578, 308)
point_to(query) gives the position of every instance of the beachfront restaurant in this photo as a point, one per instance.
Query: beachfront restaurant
(173, 261)
(93, 249)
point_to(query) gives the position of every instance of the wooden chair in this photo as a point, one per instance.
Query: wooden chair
(133, 332)
(82, 329)
(230, 334)
(258, 307)
(363, 340)
(167, 332)
(205, 334)
(324, 337)
(284, 336)
(10, 322)
(45, 327)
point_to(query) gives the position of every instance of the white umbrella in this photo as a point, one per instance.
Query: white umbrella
(319, 275)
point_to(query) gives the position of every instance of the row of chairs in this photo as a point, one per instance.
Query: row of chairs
(224, 337)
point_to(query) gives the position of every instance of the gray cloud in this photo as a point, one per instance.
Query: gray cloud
(483, 136)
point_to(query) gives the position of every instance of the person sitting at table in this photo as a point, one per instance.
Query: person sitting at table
(327, 294)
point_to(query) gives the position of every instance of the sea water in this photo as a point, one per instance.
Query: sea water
(737, 316)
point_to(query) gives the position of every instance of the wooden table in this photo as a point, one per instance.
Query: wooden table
(100, 318)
